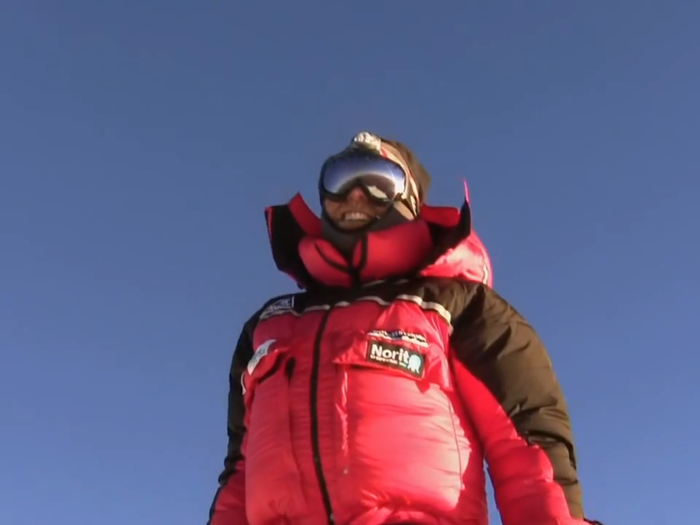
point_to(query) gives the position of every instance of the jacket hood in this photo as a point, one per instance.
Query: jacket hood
(439, 243)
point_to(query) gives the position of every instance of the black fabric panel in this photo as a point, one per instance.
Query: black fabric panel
(285, 236)
(235, 426)
(503, 351)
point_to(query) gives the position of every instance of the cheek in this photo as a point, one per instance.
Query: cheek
(332, 209)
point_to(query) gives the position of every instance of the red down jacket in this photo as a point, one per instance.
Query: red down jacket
(378, 404)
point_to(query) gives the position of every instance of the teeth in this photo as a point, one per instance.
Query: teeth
(355, 216)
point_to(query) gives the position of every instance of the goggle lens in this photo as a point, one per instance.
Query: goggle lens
(383, 179)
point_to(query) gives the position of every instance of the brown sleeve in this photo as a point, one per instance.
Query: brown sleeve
(506, 364)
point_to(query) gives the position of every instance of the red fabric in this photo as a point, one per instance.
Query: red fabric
(389, 252)
(230, 505)
(522, 475)
(393, 449)
(309, 222)
(392, 252)
(469, 260)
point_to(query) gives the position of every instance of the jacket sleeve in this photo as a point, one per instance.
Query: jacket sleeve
(505, 379)
(228, 507)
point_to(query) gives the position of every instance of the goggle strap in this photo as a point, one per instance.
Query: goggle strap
(412, 198)
(411, 194)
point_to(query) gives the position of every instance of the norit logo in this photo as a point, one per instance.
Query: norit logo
(397, 357)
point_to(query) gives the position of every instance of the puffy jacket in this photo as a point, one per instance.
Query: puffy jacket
(369, 399)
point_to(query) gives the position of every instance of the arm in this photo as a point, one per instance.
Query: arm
(506, 381)
(228, 507)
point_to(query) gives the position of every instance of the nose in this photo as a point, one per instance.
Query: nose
(356, 195)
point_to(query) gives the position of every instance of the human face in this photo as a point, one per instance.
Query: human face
(355, 211)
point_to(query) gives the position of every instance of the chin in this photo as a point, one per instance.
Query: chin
(354, 225)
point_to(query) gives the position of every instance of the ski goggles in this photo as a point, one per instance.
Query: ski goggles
(382, 179)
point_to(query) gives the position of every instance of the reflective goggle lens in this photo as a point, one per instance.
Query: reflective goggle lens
(382, 178)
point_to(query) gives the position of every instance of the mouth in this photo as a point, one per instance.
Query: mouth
(355, 216)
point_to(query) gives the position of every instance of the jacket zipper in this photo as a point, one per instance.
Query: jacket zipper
(316, 447)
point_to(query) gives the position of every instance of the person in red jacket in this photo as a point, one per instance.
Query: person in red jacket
(374, 395)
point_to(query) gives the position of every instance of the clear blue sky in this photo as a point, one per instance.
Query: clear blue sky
(140, 142)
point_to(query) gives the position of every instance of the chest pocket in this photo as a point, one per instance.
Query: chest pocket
(394, 404)
(397, 354)
(269, 359)
(271, 464)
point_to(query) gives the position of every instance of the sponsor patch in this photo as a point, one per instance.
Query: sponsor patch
(260, 352)
(280, 305)
(399, 335)
(397, 357)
